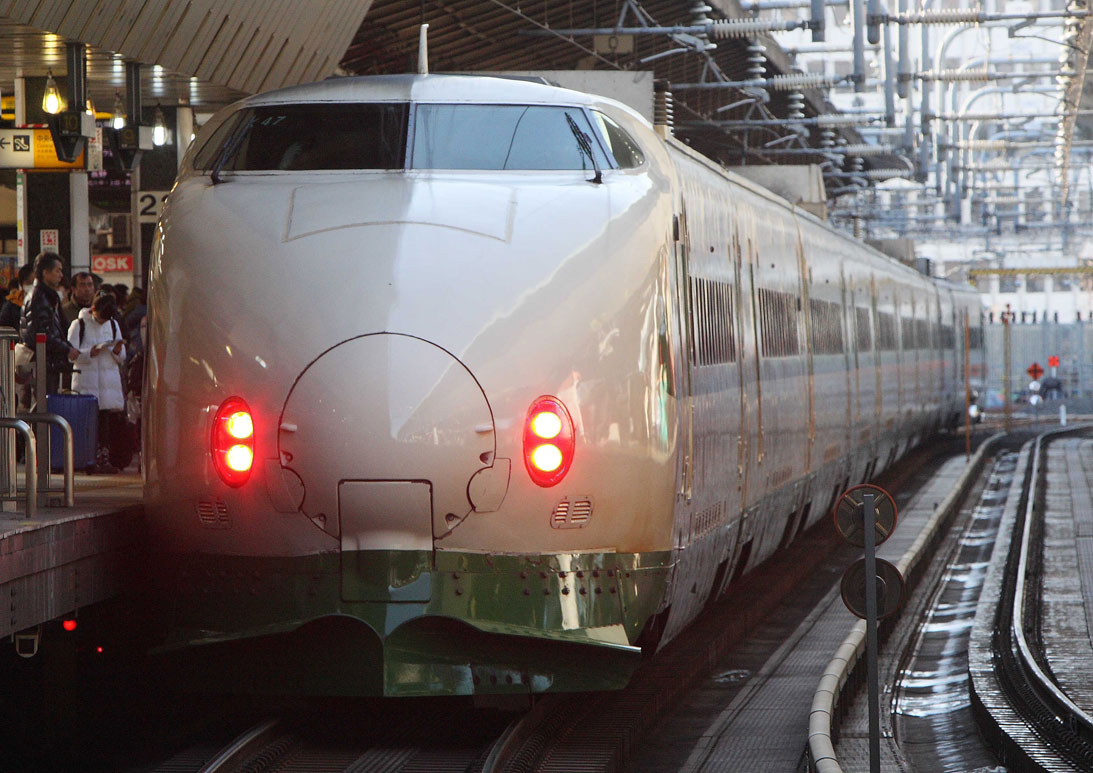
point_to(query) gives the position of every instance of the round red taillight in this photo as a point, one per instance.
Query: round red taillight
(233, 441)
(549, 441)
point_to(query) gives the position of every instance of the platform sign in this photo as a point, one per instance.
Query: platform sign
(150, 204)
(889, 585)
(1035, 371)
(16, 150)
(848, 514)
(32, 149)
(105, 264)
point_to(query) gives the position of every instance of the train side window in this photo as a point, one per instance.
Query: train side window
(778, 323)
(886, 332)
(827, 329)
(496, 137)
(862, 331)
(907, 333)
(713, 340)
(623, 147)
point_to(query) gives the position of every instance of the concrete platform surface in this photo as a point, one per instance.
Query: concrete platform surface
(68, 557)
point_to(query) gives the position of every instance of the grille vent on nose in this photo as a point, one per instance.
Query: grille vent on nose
(571, 514)
(213, 513)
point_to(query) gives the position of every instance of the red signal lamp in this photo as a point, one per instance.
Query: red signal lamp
(549, 441)
(233, 441)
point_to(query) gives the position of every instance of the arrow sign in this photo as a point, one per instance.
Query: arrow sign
(3, 143)
(1035, 371)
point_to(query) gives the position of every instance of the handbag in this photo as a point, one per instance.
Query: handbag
(24, 355)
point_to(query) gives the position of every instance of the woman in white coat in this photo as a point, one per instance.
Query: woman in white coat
(99, 339)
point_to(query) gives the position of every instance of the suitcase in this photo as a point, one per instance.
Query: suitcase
(82, 412)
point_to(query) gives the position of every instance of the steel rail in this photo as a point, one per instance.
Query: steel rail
(242, 746)
(1061, 723)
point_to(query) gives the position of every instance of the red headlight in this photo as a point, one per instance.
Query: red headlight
(548, 441)
(233, 441)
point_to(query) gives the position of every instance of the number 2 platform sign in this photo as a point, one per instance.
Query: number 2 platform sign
(150, 204)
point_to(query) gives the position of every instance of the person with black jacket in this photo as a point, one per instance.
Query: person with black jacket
(42, 314)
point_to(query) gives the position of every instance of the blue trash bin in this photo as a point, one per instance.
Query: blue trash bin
(82, 412)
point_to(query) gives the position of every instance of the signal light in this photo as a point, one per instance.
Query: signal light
(69, 625)
(549, 441)
(233, 441)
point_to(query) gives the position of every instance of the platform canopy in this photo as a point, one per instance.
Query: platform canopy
(201, 52)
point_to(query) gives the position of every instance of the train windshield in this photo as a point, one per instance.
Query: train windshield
(310, 136)
(528, 137)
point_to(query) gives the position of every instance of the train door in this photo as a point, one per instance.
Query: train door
(878, 385)
(851, 422)
(753, 267)
(750, 439)
(878, 359)
(913, 343)
(900, 357)
(937, 356)
(805, 278)
(741, 328)
(684, 315)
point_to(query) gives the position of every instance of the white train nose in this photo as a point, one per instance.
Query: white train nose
(386, 431)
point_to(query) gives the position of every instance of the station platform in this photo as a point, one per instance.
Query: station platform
(68, 557)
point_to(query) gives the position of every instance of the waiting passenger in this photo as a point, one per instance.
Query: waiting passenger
(83, 292)
(100, 342)
(42, 314)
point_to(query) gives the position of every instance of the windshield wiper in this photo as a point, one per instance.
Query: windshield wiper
(229, 149)
(585, 144)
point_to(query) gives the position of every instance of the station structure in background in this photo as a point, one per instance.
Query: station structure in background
(952, 134)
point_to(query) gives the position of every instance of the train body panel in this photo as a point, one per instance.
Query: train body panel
(721, 364)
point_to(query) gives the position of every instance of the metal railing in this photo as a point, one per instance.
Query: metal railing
(66, 428)
(37, 444)
(8, 339)
(31, 490)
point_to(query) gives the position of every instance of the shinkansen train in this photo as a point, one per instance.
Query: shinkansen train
(469, 385)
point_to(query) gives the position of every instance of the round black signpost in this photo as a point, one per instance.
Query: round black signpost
(889, 585)
(865, 516)
(848, 514)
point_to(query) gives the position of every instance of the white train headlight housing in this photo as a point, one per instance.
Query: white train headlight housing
(549, 441)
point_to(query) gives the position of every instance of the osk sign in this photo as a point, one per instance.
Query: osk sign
(104, 264)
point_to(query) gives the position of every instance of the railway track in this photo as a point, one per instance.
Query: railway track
(351, 737)
(588, 731)
(1019, 702)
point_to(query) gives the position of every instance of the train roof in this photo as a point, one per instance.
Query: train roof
(427, 88)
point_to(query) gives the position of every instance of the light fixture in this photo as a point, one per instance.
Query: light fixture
(118, 121)
(51, 99)
(90, 106)
(549, 440)
(159, 128)
(233, 441)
